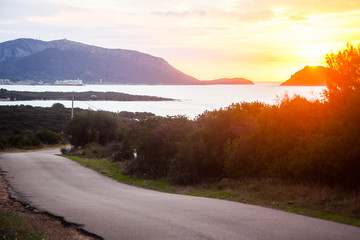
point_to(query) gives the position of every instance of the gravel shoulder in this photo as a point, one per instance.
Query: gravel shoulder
(47, 225)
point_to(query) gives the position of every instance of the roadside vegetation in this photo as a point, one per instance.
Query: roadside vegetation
(27, 127)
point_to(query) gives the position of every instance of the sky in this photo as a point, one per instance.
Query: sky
(261, 40)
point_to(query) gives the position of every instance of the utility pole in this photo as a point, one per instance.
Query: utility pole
(72, 107)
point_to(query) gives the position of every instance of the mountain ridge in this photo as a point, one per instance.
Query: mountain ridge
(30, 59)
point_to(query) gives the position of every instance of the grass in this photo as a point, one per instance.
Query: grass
(32, 148)
(113, 170)
(13, 226)
(314, 201)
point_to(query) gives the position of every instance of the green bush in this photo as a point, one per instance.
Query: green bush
(47, 137)
(64, 151)
(99, 127)
(156, 143)
(240, 158)
(19, 141)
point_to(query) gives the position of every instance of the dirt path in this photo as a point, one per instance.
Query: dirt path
(51, 227)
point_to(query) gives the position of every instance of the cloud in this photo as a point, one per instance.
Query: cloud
(256, 16)
(179, 14)
(17, 9)
(297, 18)
(314, 7)
(171, 14)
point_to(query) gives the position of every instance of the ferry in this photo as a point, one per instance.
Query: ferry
(69, 82)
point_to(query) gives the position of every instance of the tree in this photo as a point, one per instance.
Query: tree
(58, 107)
(100, 127)
(344, 97)
(344, 79)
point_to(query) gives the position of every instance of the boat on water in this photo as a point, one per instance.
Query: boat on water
(69, 82)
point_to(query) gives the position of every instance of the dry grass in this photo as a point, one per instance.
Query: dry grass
(312, 200)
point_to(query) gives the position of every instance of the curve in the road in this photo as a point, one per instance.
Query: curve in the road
(117, 211)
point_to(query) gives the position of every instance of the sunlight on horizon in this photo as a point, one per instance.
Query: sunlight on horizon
(258, 40)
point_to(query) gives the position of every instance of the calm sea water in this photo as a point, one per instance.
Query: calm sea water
(190, 100)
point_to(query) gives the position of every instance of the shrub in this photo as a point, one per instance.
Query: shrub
(100, 127)
(240, 159)
(19, 141)
(64, 151)
(47, 137)
(156, 141)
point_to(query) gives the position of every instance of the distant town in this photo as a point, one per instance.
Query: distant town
(76, 82)
(5, 81)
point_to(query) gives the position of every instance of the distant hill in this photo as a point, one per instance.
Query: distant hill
(308, 76)
(29, 59)
(228, 81)
(34, 61)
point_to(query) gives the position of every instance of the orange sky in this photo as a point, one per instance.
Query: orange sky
(260, 40)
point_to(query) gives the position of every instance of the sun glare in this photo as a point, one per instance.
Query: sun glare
(312, 55)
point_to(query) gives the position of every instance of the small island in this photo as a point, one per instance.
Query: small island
(308, 76)
(83, 96)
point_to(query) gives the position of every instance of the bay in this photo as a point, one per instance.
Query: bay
(191, 100)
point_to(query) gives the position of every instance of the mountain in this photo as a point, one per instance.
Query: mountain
(228, 81)
(21, 48)
(29, 59)
(33, 60)
(308, 76)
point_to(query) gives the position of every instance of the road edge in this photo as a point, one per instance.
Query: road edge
(14, 197)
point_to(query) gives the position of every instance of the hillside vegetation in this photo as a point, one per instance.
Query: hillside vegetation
(27, 127)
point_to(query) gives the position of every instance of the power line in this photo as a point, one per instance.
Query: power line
(96, 108)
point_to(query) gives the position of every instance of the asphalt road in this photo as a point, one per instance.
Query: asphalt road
(117, 211)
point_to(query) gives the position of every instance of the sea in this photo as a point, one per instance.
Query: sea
(190, 100)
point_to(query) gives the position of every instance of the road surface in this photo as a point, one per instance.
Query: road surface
(117, 211)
